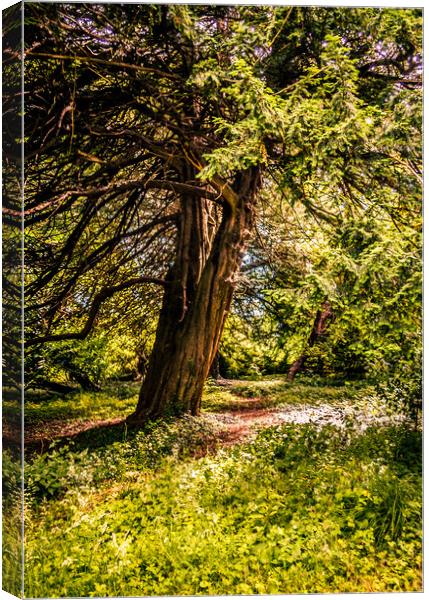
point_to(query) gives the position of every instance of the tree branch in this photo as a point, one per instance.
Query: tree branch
(100, 61)
(161, 184)
(93, 312)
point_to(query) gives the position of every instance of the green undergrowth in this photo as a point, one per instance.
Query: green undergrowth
(115, 400)
(276, 390)
(167, 510)
(115, 455)
(298, 510)
(12, 543)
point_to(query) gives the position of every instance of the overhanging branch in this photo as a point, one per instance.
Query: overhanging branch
(93, 312)
(100, 61)
(119, 187)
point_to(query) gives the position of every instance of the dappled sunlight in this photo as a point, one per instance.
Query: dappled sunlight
(212, 484)
(212, 285)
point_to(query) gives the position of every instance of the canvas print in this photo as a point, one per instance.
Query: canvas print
(211, 299)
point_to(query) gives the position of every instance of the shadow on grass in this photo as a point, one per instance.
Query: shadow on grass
(96, 435)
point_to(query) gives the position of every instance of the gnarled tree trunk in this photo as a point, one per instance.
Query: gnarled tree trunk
(196, 302)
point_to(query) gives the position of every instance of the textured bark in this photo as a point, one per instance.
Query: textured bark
(196, 301)
(319, 328)
(214, 369)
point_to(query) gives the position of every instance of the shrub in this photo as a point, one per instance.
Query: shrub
(403, 392)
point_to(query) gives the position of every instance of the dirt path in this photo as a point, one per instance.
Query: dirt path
(235, 427)
(241, 425)
(39, 437)
(237, 424)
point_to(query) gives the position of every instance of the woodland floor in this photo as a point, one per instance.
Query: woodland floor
(239, 500)
(238, 408)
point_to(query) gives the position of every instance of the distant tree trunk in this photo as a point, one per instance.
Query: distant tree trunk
(142, 362)
(79, 376)
(296, 367)
(84, 381)
(195, 304)
(320, 325)
(214, 369)
(54, 386)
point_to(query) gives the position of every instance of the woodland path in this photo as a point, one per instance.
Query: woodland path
(237, 422)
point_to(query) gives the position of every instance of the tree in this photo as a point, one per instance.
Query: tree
(354, 300)
(148, 151)
(318, 331)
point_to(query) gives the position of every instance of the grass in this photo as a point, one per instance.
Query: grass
(276, 391)
(300, 509)
(119, 399)
(12, 546)
(116, 400)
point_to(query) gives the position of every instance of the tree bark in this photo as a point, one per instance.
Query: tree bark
(320, 325)
(214, 371)
(195, 304)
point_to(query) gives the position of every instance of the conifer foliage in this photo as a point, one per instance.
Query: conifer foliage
(154, 134)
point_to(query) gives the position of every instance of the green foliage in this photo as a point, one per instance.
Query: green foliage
(11, 475)
(88, 357)
(341, 218)
(101, 357)
(323, 102)
(116, 400)
(48, 475)
(275, 391)
(241, 355)
(371, 274)
(320, 119)
(250, 520)
(326, 102)
(12, 548)
(63, 469)
(404, 389)
(12, 513)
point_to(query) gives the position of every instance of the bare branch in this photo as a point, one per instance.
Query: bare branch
(93, 312)
(100, 61)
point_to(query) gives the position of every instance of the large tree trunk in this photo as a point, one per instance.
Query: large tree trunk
(318, 330)
(195, 304)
